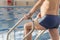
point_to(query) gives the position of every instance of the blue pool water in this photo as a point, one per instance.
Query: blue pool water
(9, 18)
(19, 35)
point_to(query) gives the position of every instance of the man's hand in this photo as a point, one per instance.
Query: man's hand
(36, 19)
(26, 17)
(39, 15)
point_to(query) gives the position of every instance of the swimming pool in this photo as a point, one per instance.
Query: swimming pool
(9, 18)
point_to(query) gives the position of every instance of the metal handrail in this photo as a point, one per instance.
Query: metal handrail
(40, 33)
(14, 27)
(30, 30)
(17, 25)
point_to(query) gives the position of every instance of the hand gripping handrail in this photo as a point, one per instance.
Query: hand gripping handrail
(30, 31)
(14, 27)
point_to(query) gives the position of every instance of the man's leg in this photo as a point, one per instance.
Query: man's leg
(27, 28)
(54, 34)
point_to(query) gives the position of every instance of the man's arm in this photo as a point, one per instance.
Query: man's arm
(36, 6)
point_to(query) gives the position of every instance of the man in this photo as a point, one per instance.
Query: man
(48, 10)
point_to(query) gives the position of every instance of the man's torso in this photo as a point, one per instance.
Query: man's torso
(52, 7)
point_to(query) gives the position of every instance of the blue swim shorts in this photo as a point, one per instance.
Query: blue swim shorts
(50, 22)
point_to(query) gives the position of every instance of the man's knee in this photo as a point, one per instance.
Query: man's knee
(27, 25)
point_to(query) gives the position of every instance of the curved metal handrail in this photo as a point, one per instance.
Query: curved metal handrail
(38, 34)
(17, 25)
(14, 27)
(26, 34)
(30, 31)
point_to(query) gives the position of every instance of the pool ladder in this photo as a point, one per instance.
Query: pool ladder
(28, 33)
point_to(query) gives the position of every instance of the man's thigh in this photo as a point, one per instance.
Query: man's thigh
(36, 24)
